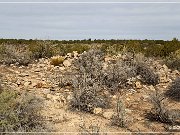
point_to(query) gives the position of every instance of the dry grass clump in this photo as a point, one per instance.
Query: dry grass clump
(56, 60)
(160, 113)
(93, 129)
(19, 114)
(174, 90)
(119, 118)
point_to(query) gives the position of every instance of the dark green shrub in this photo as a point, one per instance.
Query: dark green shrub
(174, 90)
(41, 49)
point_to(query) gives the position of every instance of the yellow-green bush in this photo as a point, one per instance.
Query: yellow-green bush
(57, 60)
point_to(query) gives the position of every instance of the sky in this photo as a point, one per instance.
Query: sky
(64, 21)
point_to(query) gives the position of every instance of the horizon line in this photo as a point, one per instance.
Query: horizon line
(79, 2)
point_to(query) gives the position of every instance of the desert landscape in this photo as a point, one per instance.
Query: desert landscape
(90, 86)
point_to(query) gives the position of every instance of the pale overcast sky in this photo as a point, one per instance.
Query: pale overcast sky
(82, 21)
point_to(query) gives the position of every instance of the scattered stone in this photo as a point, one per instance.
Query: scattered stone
(69, 98)
(98, 111)
(23, 74)
(66, 90)
(69, 55)
(27, 84)
(138, 85)
(108, 115)
(61, 68)
(128, 110)
(67, 63)
(46, 91)
(75, 54)
(37, 70)
(163, 78)
(151, 87)
(174, 128)
(18, 82)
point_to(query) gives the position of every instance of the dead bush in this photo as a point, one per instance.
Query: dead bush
(87, 95)
(159, 112)
(88, 91)
(116, 75)
(90, 62)
(174, 90)
(148, 76)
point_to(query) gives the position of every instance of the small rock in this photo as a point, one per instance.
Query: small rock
(69, 98)
(61, 68)
(27, 84)
(108, 115)
(145, 97)
(75, 54)
(163, 78)
(42, 65)
(66, 90)
(37, 70)
(97, 110)
(151, 87)
(165, 68)
(69, 55)
(18, 82)
(48, 96)
(46, 91)
(67, 63)
(23, 74)
(128, 110)
(174, 128)
(138, 85)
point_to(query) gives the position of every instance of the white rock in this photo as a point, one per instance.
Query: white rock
(152, 88)
(69, 55)
(67, 63)
(27, 84)
(62, 68)
(46, 91)
(108, 115)
(98, 110)
(75, 54)
(23, 74)
(69, 97)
